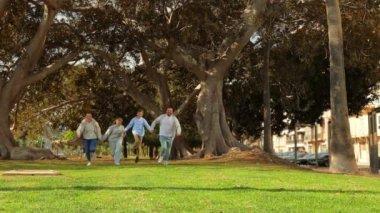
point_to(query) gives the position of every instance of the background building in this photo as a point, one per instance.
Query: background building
(359, 126)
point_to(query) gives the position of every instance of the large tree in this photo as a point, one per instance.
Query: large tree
(115, 50)
(342, 150)
(204, 43)
(21, 52)
(211, 69)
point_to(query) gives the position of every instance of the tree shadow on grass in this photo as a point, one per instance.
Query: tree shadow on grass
(81, 165)
(69, 165)
(169, 188)
(100, 165)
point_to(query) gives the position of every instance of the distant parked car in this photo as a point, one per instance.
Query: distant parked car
(290, 156)
(283, 154)
(323, 159)
(304, 160)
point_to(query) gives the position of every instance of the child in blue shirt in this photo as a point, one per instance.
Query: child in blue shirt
(137, 124)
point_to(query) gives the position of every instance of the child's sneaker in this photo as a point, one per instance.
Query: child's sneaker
(160, 160)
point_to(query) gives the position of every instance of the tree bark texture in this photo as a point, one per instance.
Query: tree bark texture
(342, 150)
(211, 119)
(268, 145)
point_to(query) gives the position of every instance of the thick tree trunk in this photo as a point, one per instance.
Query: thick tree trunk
(342, 151)
(210, 117)
(180, 149)
(159, 80)
(7, 142)
(8, 146)
(11, 90)
(164, 93)
(268, 145)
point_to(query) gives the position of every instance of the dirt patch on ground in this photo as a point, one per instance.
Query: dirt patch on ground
(254, 156)
(234, 156)
(23, 172)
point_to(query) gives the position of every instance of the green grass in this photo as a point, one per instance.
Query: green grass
(148, 187)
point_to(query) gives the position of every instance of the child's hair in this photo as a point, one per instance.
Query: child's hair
(118, 118)
(140, 110)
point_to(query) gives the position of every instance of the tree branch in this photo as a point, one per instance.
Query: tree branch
(53, 4)
(29, 59)
(188, 99)
(184, 59)
(82, 9)
(3, 7)
(34, 49)
(151, 74)
(2, 82)
(91, 5)
(153, 46)
(140, 98)
(159, 80)
(70, 102)
(132, 90)
(66, 103)
(54, 67)
(102, 53)
(14, 125)
(252, 22)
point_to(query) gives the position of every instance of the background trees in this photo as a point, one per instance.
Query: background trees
(166, 30)
(153, 54)
(300, 69)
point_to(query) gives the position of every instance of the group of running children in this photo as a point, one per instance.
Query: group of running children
(89, 130)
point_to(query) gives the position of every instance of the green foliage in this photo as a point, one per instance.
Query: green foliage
(69, 135)
(299, 66)
(299, 61)
(36, 141)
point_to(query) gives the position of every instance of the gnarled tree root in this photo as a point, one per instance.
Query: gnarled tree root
(29, 153)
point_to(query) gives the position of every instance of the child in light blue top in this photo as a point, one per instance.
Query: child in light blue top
(137, 124)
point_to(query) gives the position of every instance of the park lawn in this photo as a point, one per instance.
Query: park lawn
(148, 187)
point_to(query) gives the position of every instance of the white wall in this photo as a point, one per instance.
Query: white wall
(378, 123)
(279, 143)
(359, 126)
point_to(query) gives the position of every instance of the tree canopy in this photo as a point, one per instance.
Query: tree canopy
(59, 59)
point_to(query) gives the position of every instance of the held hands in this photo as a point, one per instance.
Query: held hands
(153, 132)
